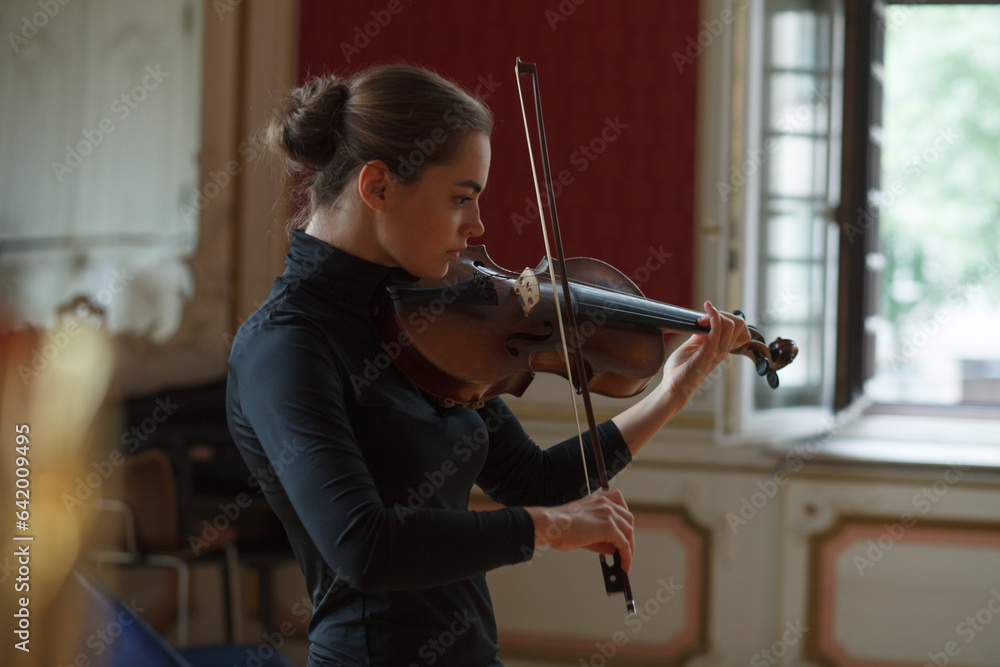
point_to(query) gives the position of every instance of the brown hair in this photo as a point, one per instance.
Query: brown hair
(406, 116)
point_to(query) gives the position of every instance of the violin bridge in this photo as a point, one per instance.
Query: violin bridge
(526, 287)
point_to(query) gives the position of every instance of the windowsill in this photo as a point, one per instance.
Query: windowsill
(911, 453)
(949, 412)
(907, 439)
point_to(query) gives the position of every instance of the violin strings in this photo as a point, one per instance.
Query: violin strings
(574, 281)
(603, 290)
(637, 310)
(654, 310)
(664, 320)
(660, 318)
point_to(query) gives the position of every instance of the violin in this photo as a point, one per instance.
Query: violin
(482, 330)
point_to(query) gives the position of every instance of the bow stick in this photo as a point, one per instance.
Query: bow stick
(615, 578)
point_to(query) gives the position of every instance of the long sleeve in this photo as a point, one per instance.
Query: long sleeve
(293, 398)
(518, 472)
(369, 476)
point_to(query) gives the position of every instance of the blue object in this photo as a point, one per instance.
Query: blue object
(121, 638)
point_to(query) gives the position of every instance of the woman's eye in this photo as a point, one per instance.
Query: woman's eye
(461, 200)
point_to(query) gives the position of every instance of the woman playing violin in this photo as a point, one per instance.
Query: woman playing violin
(370, 476)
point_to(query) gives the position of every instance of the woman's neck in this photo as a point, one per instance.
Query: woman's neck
(348, 230)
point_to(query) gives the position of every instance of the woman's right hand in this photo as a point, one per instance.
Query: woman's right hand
(599, 522)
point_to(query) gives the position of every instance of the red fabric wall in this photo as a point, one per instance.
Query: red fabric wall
(600, 62)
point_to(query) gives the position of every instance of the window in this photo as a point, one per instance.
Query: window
(798, 185)
(99, 136)
(939, 209)
(778, 194)
(828, 240)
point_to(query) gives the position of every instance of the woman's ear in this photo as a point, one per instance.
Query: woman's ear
(374, 183)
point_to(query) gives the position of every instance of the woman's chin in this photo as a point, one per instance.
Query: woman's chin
(431, 272)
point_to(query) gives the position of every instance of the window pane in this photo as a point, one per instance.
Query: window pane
(100, 111)
(794, 192)
(940, 208)
(798, 104)
(797, 166)
(799, 35)
(794, 290)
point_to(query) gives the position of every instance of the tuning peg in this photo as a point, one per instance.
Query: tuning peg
(763, 367)
(772, 380)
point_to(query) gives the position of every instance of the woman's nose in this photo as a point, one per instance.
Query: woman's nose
(474, 226)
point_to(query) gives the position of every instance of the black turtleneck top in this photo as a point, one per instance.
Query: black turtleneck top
(371, 478)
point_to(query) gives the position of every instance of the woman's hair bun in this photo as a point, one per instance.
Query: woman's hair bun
(408, 118)
(308, 124)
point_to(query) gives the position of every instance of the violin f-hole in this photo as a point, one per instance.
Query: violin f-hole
(524, 335)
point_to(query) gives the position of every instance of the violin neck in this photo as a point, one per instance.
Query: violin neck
(637, 310)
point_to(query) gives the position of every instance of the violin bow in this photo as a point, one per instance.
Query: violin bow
(615, 578)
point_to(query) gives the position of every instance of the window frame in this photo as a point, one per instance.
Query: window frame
(858, 294)
(726, 242)
(728, 250)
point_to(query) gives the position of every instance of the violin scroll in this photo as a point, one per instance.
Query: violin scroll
(767, 358)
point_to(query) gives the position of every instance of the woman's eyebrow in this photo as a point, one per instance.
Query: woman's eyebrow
(475, 187)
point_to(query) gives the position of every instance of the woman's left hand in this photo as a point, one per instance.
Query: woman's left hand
(684, 371)
(691, 363)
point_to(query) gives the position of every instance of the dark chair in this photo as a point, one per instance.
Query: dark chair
(209, 471)
(152, 536)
